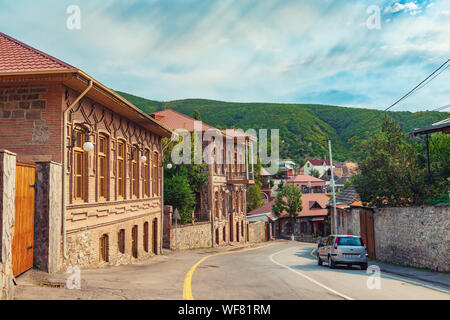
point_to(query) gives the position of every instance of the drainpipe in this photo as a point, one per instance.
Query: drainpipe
(64, 164)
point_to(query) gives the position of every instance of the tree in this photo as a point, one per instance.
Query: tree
(178, 193)
(197, 115)
(315, 173)
(253, 194)
(391, 174)
(289, 199)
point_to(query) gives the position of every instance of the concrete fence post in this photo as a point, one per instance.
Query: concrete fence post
(47, 218)
(7, 198)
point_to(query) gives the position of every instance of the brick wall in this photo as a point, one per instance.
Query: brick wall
(35, 113)
(416, 236)
(7, 195)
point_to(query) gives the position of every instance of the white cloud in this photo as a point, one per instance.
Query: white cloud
(410, 7)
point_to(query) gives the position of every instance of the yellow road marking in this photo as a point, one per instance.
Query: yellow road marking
(187, 288)
(312, 252)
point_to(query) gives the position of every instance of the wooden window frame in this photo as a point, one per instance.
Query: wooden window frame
(135, 172)
(104, 248)
(147, 173)
(156, 177)
(103, 156)
(78, 150)
(121, 163)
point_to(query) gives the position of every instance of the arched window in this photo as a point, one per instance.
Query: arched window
(216, 204)
(104, 248)
(121, 169)
(146, 236)
(147, 170)
(224, 204)
(135, 172)
(121, 240)
(102, 166)
(79, 166)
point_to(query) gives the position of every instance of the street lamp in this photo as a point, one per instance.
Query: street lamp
(87, 130)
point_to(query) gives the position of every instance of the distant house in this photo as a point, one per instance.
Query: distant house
(266, 189)
(287, 168)
(308, 184)
(311, 220)
(321, 165)
(348, 220)
(340, 169)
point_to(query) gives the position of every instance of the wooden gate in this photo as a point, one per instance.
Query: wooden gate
(22, 246)
(367, 231)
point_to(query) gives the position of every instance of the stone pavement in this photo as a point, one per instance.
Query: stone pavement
(438, 278)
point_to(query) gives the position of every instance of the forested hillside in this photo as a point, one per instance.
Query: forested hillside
(304, 128)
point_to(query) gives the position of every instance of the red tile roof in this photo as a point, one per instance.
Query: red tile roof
(308, 199)
(317, 162)
(305, 178)
(175, 120)
(16, 56)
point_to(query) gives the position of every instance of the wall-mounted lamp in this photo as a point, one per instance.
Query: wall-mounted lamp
(169, 166)
(88, 131)
(140, 148)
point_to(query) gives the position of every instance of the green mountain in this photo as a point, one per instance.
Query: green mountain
(304, 128)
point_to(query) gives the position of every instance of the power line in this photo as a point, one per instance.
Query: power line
(441, 108)
(422, 84)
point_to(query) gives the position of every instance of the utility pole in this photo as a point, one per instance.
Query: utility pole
(332, 186)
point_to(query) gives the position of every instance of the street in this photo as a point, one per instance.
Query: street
(279, 270)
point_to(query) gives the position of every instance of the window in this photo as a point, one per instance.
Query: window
(102, 166)
(135, 172)
(155, 174)
(216, 204)
(103, 246)
(147, 174)
(224, 204)
(242, 228)
(121, 240)
(224, 234)
(79, 166)
(146, 237)
(349, 241)
(121, 169)
(134, 241)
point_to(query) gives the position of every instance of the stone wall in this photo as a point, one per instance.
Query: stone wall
(7, 197)
(47, 218)
(191, 236)
(416, 236)
(257, 231)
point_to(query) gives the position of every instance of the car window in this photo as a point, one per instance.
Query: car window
(349, 241)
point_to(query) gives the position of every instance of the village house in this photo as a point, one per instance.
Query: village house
(222, 202)
(89, 166)
(310, 221)
(308, 184)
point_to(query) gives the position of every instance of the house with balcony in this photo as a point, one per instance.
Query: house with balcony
(222, 202)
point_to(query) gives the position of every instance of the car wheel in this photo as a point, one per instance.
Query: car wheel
(330, 263)
(319, 261)
(364, 266)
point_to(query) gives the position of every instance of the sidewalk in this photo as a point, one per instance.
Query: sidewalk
(418, 274)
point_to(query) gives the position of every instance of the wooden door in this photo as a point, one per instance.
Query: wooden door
(367, 231)
(22, 246)
(155, 236)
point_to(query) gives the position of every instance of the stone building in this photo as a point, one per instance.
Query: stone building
(222, 202)
(97, 158)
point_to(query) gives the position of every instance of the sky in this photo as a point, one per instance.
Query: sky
(288, 51)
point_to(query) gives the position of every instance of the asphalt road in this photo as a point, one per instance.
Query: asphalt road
(289, 271)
